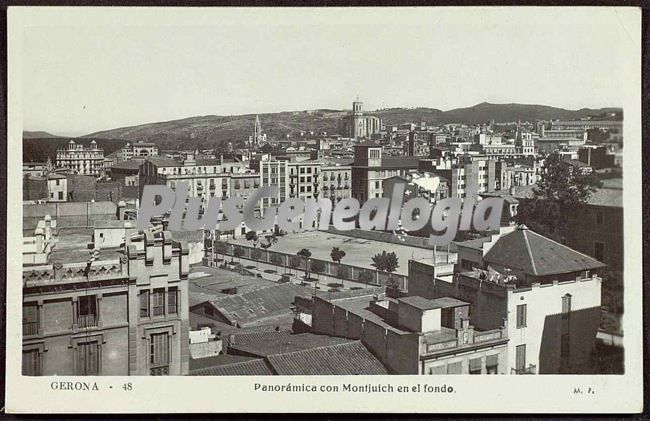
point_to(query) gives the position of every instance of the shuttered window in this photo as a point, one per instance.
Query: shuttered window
(158, 302)
(32, 365)
(172, 298)
(521, 316)
(30, 319)
(455, 368)
(88, 359)
(492, 364)
(521, 357)
(159, 354)
(441, 369)
(144, 303)
(475, 366)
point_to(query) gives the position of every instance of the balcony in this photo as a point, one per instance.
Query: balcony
(85, 321)
(30, 328)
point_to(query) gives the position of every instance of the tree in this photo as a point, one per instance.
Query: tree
(386, 262)
(305, 254)
(238, 252)
(558, 197)
(252, 236)
(337, 254)
(342, 272)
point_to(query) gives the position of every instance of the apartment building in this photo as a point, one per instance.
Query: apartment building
(124, 314)
(371, 168)
(81, 160)
(548, 293)
(414, 335)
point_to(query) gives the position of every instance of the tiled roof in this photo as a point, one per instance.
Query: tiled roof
(537, 255)
(223, 359)
(269, 343)
(350, 358)
(256, 367)
(263, 302)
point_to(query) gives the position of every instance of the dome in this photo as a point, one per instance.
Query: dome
(48, 217)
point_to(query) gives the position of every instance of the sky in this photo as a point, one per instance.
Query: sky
(85, 72)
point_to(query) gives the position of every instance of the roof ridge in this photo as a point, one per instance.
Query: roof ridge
(530, 253)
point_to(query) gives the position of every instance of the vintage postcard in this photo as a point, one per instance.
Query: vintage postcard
(314, 210)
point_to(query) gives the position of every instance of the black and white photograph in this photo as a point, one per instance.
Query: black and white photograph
(384, 192)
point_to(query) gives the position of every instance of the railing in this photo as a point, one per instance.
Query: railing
(158, 310)
(87, 320)
(30, 328)
(442, 345)
(488, 335)
(531, 369)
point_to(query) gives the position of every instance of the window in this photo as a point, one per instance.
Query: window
(455, 368)
(158, 302)
(475, 366)
(492, 364)
(159, 354)
(599, 217)
(521, 316)
(144, 303)
(32, 365)
(441, 369)
(520, 362)
(88, 359)
(566, 304)
(172, 298)
(599, 251)
(30, 319)
(87, 311)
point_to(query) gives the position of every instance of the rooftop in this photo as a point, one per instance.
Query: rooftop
(537, 255)
(126, 165)
(260, 303)
(426, 304)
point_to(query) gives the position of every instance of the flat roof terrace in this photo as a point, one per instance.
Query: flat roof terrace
(358, 251)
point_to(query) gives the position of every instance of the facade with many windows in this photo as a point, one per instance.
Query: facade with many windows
(84, 161)
(551, 304)
(122, 316)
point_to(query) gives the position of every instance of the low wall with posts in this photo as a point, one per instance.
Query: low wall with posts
(292, 261)
(389, 237)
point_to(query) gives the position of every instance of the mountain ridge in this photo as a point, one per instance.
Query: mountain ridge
(215, 131)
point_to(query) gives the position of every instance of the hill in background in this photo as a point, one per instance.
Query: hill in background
(216, 131)
(37, 135)
(39, 149)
